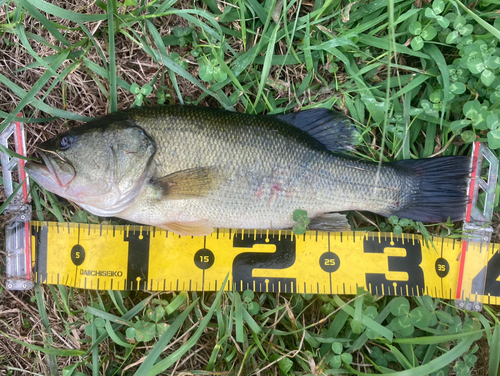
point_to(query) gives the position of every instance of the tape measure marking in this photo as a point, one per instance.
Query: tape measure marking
(138, 257)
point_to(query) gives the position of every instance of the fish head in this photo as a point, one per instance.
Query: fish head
(101, 167)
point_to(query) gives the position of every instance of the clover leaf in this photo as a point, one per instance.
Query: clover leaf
(421, 34)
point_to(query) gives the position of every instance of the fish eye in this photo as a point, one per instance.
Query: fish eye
(66, 142)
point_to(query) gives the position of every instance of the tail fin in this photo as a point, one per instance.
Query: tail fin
(441, 191)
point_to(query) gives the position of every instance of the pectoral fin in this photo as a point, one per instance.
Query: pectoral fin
(185, 184)
(195, 228)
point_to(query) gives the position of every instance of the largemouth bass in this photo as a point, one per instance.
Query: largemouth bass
(192, 169)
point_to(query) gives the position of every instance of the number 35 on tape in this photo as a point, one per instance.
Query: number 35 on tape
(145, 258)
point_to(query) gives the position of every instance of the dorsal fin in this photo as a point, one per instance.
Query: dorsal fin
(332, 129)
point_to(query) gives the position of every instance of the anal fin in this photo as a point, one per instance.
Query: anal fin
(334, 222)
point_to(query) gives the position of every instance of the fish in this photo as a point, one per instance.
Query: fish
(191, 169)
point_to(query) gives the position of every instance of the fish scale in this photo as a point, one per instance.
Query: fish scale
(202, 168)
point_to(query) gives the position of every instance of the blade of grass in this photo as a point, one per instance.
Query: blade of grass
(358, 311)
(117, 299)
(44, 21)
(373, 325)
(45, 350)
(36, 88)
(157, 350)
(11, 197)
(112, 334)
(494, 362)
(95, 351)
(113, 96)
(163, 52)
(176, 303)
(267, 63)
(47, 339)
(238, 317)
(37, 103)
(66, 14)
(162, 365)
(479, 20)
(382, 43)
(107, 316)
(437, 363)
(440, 61)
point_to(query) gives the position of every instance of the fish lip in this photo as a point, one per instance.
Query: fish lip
(34, 169)
(48, 170)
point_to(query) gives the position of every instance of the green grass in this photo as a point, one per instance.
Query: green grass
(411, 93)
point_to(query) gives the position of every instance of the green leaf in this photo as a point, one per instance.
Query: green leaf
(336, 362)
(253, 308)
(438, 6)
(80, 217)
(417, 43)
(459, 22)
(492, 121)
(442, 21)
(420, 317)
(337, 348)
(494, 139)
(393, 220)
(135, 88)
(219, 75)
(403, 325)
(206, 72)
(285, 365)
(139, 99)
(415, 28)
(400, 306)
(248, 296)
(178, 31)
(452, 37)
(457, 125)
(146, 90)
(468, 136)
(457, 87)
(472, 109)
(161, 328)
(476, 65)
(442, 372)
(429, 13)
(429, 33)
(398, 230)
(487, 77)
(300, 215)
(493, 62)
(131, 333)
(444, 317)
(346, 358)
(145, 331)
(156, 314)
(466, 30)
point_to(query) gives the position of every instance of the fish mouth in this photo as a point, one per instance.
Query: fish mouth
(56, 172)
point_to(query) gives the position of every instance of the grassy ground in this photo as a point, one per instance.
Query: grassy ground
(420, 79)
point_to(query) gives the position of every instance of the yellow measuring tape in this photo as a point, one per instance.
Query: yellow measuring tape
(146, 258)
